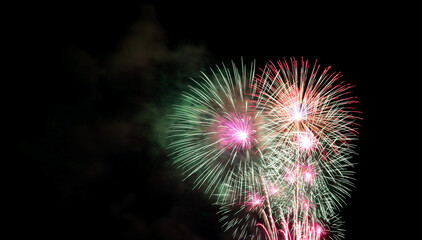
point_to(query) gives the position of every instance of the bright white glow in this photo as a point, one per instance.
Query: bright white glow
(306, 141)
(257, 202)
(318, 230)
(242, 136)
(297, 113)
(309, 176)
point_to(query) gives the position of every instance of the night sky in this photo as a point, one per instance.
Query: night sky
(95, 83)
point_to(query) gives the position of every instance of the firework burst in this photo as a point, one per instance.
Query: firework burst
(274, 148)
(214, 135)
(306, 108)
(310, 123)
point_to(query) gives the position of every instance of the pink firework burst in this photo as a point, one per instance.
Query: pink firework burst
(237, 131)
(300, 97)
(306, 141)
(254, 200)
(309, 177)
(309, 174)
(297, 112)
(273, 190)
(291, 107)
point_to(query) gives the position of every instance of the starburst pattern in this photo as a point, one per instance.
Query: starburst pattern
(273, 148)
(214, 132)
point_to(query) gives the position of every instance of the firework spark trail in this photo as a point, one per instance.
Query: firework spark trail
(274, 148)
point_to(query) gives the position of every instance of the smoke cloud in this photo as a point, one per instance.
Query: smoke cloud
(101, 150)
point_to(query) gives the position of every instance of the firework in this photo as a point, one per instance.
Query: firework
(274, 148)
(306, 108)
(310, 124)
(214, 135)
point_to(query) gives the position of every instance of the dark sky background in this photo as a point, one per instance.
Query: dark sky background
(95, 82)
